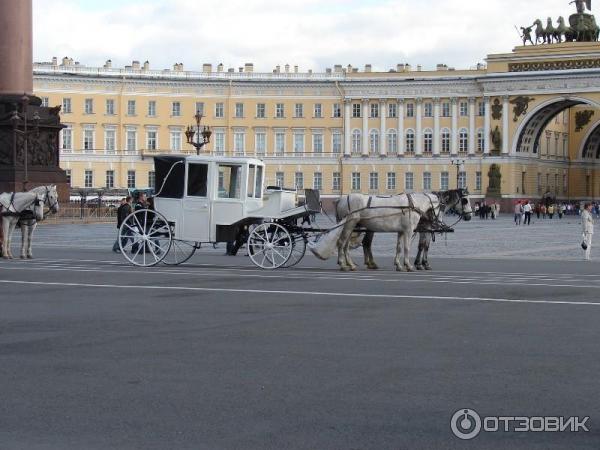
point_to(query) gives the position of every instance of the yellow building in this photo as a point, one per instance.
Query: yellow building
(534, 112)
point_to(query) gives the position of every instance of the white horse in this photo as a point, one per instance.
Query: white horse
(399, 214)
(26, 209)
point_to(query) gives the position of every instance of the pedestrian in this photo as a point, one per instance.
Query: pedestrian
(538, 210)
(587, 225)
(527, 211)
(560, 211)
(122, 212)
(551, 210)
(544, 211)
(518, 213)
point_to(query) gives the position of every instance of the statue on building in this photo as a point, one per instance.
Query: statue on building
(521, 106)
(583, 118)
(496, 139)
(582, 27)
(495, 181)
(581, 5)
(526, 34)
(497, 110)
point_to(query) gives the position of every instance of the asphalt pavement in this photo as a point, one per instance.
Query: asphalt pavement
(218, 354)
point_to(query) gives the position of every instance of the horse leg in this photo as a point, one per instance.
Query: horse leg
(30, 230)
(428, 239)
(24, 240)
(407, 237)
(9, 230)
(367, 249)
(4, 238)
(343, 244)
(397, 262)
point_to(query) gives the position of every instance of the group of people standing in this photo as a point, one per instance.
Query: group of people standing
(485, 211)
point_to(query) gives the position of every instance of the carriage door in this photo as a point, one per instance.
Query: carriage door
(196, 207)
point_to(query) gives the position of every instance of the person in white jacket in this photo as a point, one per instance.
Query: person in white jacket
(587, 225)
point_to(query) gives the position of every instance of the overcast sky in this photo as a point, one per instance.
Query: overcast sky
(314, 34)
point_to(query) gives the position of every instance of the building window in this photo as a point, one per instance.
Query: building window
(110, 140)
(299, 110)
(239, 146)
(298, 143)
(220, 142)
(110, 107)
(410, 110)
(151, 109)
(374, 181)
(356, 110)
(110, 179)
(67, 138)
(427, 181)
(464, 109)
(261, 111)
(428, 141)
(89, 106)
(280, 111)
(480, 140)
(356, 181)
(391, 181)
(318, 111)
(336, 184)
(131, 140)
(481, 109)
(261, 144)
(131, 179)
(88, 181)
(176, 109)
(392, 110)
(317, 143)
(336, 142)
(88, 139)
(318, 181)
(68, 174)
(131, 108)
(374, 110)
(463, 140)
(45, 102)
(392, 142)
(337, 111)
(410, 141)
(444, 181)
(176, 140)
(565, 184)
(239, 110)
(152, 179)
(445, 109)
(428, 110)
(279, 143)
(219, 110)
(409, 181)
(66, 106)
(200, 108)
(374, 142)
(299, 180)
(151, 138)
(279, 179)
(445, 140)
(478, 181)
(462, 180)
(356, 142)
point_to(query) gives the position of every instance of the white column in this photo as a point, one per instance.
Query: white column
(454, 142)
(505, 135)
(382, 129)
(487, 128)
(365, 127)
(472, 131)
(400, 134)
(419, 128)
(436, 127)
(347, 127)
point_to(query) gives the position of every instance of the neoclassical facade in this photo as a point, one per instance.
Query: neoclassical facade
(534, 112)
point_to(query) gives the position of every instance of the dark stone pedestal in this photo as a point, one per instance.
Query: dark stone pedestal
(40, 166)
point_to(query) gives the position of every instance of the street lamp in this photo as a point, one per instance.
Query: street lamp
(201, 133)
(18, 120)
(458, 163)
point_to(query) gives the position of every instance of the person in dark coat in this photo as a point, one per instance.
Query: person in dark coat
(122, 212)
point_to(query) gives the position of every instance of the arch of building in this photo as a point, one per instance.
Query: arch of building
(590, 146)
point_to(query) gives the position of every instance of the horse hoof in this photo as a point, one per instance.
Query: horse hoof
(419, 267)
(353, 268)
(29, 256)
(372, 267)
(428, 268)
(345, 269)
(410, 269)
(399, 269)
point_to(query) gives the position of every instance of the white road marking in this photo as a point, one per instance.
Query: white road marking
(302, 293)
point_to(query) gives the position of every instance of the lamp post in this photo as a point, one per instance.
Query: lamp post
(18, 120)
(199, 132)
(458, 163)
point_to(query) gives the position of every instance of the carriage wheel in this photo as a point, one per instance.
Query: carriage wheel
(145, 238)
(270, 246)
(180, 252)
(298, 250)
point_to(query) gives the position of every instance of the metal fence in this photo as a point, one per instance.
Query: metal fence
(74, 212)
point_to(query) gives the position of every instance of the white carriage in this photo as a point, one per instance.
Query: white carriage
(204, 199)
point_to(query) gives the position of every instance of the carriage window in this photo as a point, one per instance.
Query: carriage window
(197, 180)
(251, 175)
(259, 181)
(229, 181)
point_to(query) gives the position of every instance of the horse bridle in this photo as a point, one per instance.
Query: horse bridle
(51, 207)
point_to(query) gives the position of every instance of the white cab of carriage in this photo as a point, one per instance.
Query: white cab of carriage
(208, 199)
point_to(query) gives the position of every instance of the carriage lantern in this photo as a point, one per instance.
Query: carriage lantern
(202, 133)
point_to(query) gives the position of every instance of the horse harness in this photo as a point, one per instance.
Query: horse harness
(26, 215)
